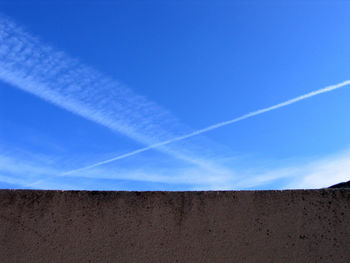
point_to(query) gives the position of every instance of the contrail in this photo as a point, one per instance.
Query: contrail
(34, 67)
(218, 125)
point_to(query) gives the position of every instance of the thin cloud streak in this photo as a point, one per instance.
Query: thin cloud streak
(318, 173)
(34, 172)
(28, 64)
(31, 171)
(221, 124)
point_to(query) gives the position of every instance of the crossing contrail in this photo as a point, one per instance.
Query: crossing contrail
(218, 125)
(32, 66)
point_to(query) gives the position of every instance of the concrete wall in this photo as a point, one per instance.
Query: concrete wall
(244, 226)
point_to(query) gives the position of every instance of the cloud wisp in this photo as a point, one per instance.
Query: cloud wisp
(28, 64)
(221, 124)
(312, 173)
(320, 172)
(28, 170)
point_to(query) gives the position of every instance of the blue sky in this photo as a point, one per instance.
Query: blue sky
(86, 82)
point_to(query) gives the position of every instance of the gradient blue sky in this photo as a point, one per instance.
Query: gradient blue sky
(85, 81)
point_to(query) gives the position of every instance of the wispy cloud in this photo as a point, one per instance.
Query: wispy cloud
(28, 64)
(221, 124)
(39, 172)
(16, 170)
(304, 174)
(323, 172)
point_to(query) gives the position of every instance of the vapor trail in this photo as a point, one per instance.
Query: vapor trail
(30, 65)
(218, 125)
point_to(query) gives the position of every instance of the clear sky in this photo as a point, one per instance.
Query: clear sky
(82, 82)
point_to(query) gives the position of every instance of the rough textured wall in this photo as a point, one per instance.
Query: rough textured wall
(244, 226)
